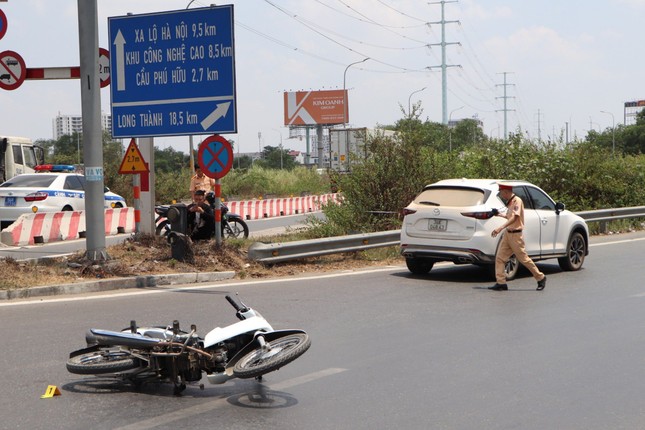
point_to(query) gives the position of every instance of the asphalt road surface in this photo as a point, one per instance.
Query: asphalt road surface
(389, 351)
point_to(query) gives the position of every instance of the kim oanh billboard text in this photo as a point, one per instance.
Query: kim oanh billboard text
(315, 107)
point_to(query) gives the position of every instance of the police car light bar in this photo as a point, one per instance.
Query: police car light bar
(54, 168)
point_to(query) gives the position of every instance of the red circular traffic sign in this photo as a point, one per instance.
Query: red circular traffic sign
(215, 157)
(104, 67)
(3, 24)
(13, 70)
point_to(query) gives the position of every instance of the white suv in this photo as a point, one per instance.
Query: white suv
(452, 220)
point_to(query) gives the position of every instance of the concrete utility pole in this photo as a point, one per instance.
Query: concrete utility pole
(88, 36)
(444, 66)
(505, 110)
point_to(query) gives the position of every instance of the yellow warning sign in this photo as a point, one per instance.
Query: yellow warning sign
(133, 161)
(51, 391)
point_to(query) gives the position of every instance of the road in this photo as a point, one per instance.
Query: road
(390, 350)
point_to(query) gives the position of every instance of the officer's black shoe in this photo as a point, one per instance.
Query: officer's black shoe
(541, 284)
(499, 287)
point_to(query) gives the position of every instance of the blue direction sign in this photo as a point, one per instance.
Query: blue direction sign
(173, 73)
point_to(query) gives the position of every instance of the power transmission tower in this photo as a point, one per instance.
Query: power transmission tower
(444, 66)
(505, 110)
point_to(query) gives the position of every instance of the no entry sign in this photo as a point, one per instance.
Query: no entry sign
(215, 157)
(12, 70)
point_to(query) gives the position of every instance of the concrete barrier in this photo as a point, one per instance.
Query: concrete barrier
(48, 227)
(269, 208)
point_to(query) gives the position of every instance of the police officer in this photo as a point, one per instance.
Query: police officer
(513, 242)
(200, 182)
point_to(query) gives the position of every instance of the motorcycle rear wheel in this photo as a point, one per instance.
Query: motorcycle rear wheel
(100, 362)
(283, 351)
(236, 229)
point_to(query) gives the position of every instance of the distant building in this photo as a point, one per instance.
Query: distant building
(70, 124)
(632, 109)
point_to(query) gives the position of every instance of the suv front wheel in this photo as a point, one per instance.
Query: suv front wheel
(576, 251)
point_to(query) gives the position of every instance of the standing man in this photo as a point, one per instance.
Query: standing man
(200, 182)
(513, 242)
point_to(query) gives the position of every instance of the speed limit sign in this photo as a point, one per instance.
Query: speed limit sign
(12, 70)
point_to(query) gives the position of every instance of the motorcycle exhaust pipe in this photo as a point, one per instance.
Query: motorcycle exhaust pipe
(112, 338)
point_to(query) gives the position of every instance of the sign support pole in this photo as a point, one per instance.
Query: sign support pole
(146, 145)
(218, 212)
(92, 140)
(136, 191)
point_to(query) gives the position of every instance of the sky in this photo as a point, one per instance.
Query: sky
(567, 64)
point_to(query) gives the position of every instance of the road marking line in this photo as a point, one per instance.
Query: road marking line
(617, 242)
(213, 404)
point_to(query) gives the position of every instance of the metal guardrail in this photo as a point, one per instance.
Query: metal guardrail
(601, 215)
(278, 252)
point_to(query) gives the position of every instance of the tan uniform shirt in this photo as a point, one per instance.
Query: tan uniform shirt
(204, 183)
(515, 206)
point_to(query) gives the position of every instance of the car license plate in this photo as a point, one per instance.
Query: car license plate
(9, 201)
(437, 224)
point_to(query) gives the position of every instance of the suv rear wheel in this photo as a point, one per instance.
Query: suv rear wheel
(419, 266)
(511, 268)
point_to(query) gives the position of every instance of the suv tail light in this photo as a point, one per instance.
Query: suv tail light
(478, 215)
(36, 197)
(407, 211)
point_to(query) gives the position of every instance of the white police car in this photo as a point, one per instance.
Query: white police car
(54, 188)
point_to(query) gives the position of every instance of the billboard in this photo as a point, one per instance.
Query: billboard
(315, 107)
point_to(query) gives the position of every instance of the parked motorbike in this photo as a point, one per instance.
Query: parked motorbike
(233, 226)
(249, 348)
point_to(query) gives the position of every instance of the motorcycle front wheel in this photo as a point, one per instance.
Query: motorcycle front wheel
(163, 228)
(280, 352)
(103, 361)
(235, 228)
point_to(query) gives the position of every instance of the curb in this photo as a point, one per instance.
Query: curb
(115, 284)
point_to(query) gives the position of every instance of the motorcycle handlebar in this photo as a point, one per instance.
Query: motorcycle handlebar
(239, 306)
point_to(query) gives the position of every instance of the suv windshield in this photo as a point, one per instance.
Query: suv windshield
(451, 196)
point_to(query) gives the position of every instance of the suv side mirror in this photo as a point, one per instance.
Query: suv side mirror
(559, 207)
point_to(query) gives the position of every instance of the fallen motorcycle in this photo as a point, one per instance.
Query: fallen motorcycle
(249, 348)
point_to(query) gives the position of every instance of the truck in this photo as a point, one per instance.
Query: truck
(18, 155)
(348, 145)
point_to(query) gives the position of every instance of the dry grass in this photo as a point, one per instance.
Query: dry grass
(150, 255)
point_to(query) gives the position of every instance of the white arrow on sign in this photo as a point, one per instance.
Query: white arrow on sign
(119, 42)
(220, 111)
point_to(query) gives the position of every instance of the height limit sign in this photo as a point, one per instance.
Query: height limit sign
(133, 161)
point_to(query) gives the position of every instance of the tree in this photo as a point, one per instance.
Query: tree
(170, 160)
(276, 158)
(68, 149)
